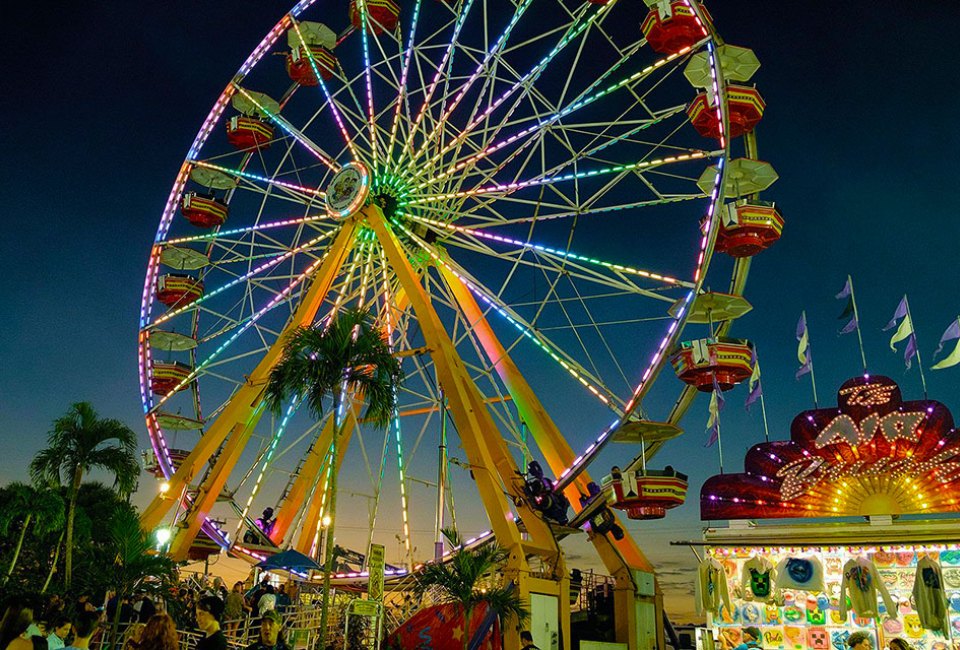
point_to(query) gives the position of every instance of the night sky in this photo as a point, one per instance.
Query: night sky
(105, 98)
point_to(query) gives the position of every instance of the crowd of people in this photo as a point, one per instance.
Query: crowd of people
(196, 615)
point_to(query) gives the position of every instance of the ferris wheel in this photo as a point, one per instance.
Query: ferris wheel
(527, 196)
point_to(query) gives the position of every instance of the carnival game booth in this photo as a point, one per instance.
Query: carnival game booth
(881, 477)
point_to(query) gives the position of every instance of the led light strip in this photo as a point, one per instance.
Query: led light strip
(257, 177)
(521, 328)
(284, 293)
(616, 169)
(323, 86)
(402, 90)
(553, 251)
(263, 267)
(440, 73)
(291, 409)
(294, 133)
(555, 118)
(242, 231)
(365, 21)
(577, 30)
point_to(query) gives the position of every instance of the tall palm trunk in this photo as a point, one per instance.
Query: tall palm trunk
(53, 565)
(74, 492)
(16, 552)
(328, 554)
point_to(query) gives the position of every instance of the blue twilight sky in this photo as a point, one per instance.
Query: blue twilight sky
(104, 99)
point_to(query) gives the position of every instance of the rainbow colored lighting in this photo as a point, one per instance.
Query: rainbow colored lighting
(616, 169)
(553, 251)
(562, 114)
(294, 133)
(539, 67)
(242, 278)
(257, 177)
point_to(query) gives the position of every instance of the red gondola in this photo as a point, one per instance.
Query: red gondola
(246, 132)
(175, 290)
(301, 63)
(203, 211)
(168, 375)
(671, 28)
(645, 494)
(749, 227)
(744, 110)
(698, 362)
(152, 466)
(383, 15)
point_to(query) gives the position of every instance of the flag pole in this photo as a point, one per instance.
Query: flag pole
(913, 325)
(763, 410)
(813, 381)
(856, 317)
(719, 443)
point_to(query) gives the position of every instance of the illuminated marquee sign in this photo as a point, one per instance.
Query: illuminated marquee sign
(873, 455)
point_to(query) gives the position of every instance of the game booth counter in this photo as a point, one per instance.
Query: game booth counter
(849, 526)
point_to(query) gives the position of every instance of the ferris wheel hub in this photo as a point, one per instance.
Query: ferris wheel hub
(348, 190)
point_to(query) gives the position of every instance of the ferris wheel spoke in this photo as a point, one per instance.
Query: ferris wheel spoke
(507, 188)
(572, 32)
(481, 67)
(246, 277)
(307, 194)
(560, 256)
(402, 95)
(280, 121)
(571, 366)
(442, 71)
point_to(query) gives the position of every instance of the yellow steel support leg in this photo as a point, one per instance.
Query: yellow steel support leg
(618, 556)
(478, 433)
(238, 417)
(293, 501)
(311, 518)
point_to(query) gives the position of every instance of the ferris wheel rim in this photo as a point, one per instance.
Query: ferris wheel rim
(157, 436)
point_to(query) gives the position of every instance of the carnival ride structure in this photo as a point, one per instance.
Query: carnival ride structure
(529, 199)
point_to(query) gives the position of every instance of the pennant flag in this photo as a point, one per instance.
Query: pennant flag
(900, 313)
(951, 333)
(904, 332)
(850, 309)
(716, 405)
(754, 385)
(803, 348)
(952, 359)
(847, 290)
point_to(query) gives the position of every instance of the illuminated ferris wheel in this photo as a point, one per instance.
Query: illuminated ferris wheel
(527, 196)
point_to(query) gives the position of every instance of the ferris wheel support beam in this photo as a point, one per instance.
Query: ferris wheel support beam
(316, 505)
(240, 415)
(294, 497)
(495, 471)
(620, 557)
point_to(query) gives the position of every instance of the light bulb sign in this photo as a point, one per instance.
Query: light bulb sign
(872, 455)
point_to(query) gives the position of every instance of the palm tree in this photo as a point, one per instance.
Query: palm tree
(78, 442)
(135, 568)
(327, 367)
(465, 581)
(19, 502)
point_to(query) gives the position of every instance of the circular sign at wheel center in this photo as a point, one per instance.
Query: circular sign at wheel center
(348, 190)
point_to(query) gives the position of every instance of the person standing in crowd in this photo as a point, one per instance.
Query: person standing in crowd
(13, 627)
(526, 641)
(84, 627)
(270, 633)
(58, 635)
(268, 601)
(283, 600)
(896, 643)
(209, 615)
(235, 607)
(160, 633)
